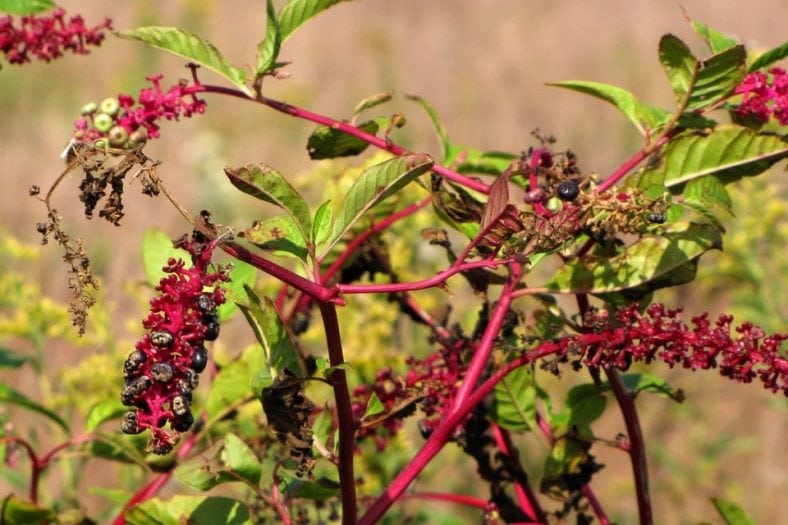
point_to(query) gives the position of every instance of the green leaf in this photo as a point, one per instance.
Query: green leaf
(279, 235)
(708, 196)
(191, 47)
(514, 400)
(233, 382)
(716, 41)
(9, 395)
(717, 78)
(11, 359)
(240, 460)
(329, 143)
(585, 404)
(16, 511)
(25, 7)
(642, 116)
(469, 160)
(276, 343)
(374, 406)
(321, 225)
(320, 489)
(290, 18)
(203, 472)
(637, 383)
(729, 152)
(157, 248)
(732, 513)
(370, 102)
(194, 510)
(265, 183)
(645, 260)
(440, 129)
(679, 63)
(268, 48)
(376, 184)
(104, 411)
(770, 57)
(119, 447)
(242, 274)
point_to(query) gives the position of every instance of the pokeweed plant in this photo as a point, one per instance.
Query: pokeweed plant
(497, 217)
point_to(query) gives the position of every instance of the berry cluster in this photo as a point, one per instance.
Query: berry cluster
(48, 37)
(163, 370)
(122, 123)
(765, 95)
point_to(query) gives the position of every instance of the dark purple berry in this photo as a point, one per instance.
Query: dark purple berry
(134, 389)
(199, 359)
(133, 363)
(130, 423)
(656, 217)
(184, 389)
(179, 406)
(162, 338)
(206, 305)
(192, 379)
(211, 328)
(162, 372)
(568, 190)
(161, 448)
(183, 423)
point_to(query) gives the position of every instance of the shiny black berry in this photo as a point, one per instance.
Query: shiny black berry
(184, 389)
(211, 328)
(183, 423)
(133, 363)
(162, 338)
(130, 423)
(656, 217)
(161, 448)
(134, 389)
(162, 372)
(199, 359)
(206, 304)
(192, 379)
(179, 406)
(568, 190)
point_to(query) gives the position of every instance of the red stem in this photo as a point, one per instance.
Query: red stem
(462, 499)
(347, 442)
(525, 495)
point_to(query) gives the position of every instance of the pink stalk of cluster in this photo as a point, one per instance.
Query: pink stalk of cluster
(765, 95)
(48, 37)
(163, 370)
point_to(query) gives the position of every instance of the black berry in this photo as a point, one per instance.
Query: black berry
(130, 423)
(162, 338)
(180, 406)
(162, 372)
(199, 359)
(211, 328)
(656, 217)
(568, 190)
(206, 304)
(183, 423)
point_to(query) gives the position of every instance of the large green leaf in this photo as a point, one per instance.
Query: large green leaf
(290, 18)
(470, 160)
(239, 459)
(718, 77)
(732, 513)
(584, 405)
(279, 235)
(194, 510)
(770, 57)
(191, 47)
(17, 511)
(204, 472)
(374, 185)
(437, 124)
(25, 7)
(679, 63)
(273, 336)
(643, 261)
(267, 184)
(119, 447)
(268, 48)
(708, 196)
(514, 400)
(102, 411)
(641, 115)
(716, 41)
(157, 248)
(329, 143)
(242, 274)
(729, 152)
(9, 395)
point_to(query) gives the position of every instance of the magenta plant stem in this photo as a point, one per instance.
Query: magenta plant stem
(633, 161)
(525, 495)
(637, 448)
(461, 499)
(594, 502)
(347, 442)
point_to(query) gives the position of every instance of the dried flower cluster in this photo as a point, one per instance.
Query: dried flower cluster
(48, 37)
(765, 94)
(123, 123)
(163, 370)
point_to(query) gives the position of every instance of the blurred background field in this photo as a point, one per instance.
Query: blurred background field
(484, 66)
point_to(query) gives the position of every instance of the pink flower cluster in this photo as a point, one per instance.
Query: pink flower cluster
(163, 370)
(48, 37)
(765, 95)
(124, 123)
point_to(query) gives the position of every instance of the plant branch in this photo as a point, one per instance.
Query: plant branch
(525, 495)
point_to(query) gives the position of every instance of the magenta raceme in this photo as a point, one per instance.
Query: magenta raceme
(765, 94)
(163, 369)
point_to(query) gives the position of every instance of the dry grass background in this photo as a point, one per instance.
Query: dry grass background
(484, 66)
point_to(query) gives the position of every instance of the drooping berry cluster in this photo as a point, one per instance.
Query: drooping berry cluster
(123, 123)
(765, 94)
(163, 370)
(48, 37)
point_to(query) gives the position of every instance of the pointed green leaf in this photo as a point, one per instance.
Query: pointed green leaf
(374, 406)
(320, 489)
(729, 152)
(25, 7)
(102, 411)
(717, 78)
(279, 235)
(274, 338)
(643, 261)
(770, 57)
(9, 395)
(370, 102)
(233, 382)
(639, 114)
(290, 18)
(268, 48)
(194, 510)
(679, 63)
(374, 185)
(440, 129)
(267, 184)
(732, 513)
(650, 383)
(329, 143)
(240, 460)
(321, 225)
(471, 160)
(157, 248)
(708, 196)
(203, 472)
(11, 359)
(585, 404)
(514, 400)
(120, 447)
(716, 41)
(242, 274)
(191, 47)
(17, 511)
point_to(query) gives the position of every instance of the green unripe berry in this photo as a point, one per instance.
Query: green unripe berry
(110, 106)
(101, 143)
(103, 122)
(118, 136)
(554, 205)
(89, 108)
(137, 138)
